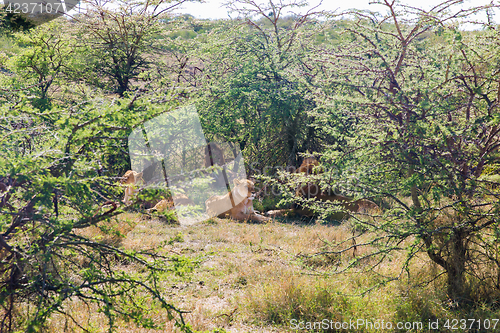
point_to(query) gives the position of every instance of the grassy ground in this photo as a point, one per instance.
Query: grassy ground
(244, 277)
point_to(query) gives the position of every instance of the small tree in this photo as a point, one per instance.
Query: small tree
(47, 53)
(118, 39)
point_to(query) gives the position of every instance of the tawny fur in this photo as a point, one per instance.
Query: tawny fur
(242, 197)
(311, 190)
(163, 205)
(131, 180)
(308, 166)
(169, 203)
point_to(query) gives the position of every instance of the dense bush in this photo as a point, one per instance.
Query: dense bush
(59, 176)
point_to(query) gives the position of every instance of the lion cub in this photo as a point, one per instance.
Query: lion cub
(237, 204)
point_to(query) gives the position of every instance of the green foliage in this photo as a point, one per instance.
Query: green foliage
(55, 181)
(46, 54)
(401, 106)
(12, 22)
(179, 238)
(259, 74)
(184, 34)
(422, 97)
(170, 216)
(183, 266)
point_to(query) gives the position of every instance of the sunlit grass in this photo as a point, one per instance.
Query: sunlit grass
(257, 278)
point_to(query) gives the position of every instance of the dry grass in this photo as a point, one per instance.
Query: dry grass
(254, 277)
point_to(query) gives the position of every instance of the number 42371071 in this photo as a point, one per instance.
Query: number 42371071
(36, 8)
(462, 324)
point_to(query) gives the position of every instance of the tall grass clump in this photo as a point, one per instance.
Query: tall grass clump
(291, 297)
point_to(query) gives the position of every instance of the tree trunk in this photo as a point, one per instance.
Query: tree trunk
(458, 290)
(454, 263)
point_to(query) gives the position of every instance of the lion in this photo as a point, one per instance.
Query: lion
(131, 180)
(309, 166)
(237, 204)
(162, 205)
(170, 202)
(310, 190)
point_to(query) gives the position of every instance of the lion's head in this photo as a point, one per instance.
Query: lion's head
(240, 194)
(131, 177)
(243, 188)
(308, 166)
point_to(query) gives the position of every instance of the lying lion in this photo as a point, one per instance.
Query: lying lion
(309, 166)
(169, 203)
(132, 179)
(237, 204)
(312, 190)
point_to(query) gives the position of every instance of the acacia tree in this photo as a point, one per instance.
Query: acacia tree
(256, 69)
(47, 54)
(425, 97)
(118, 39)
